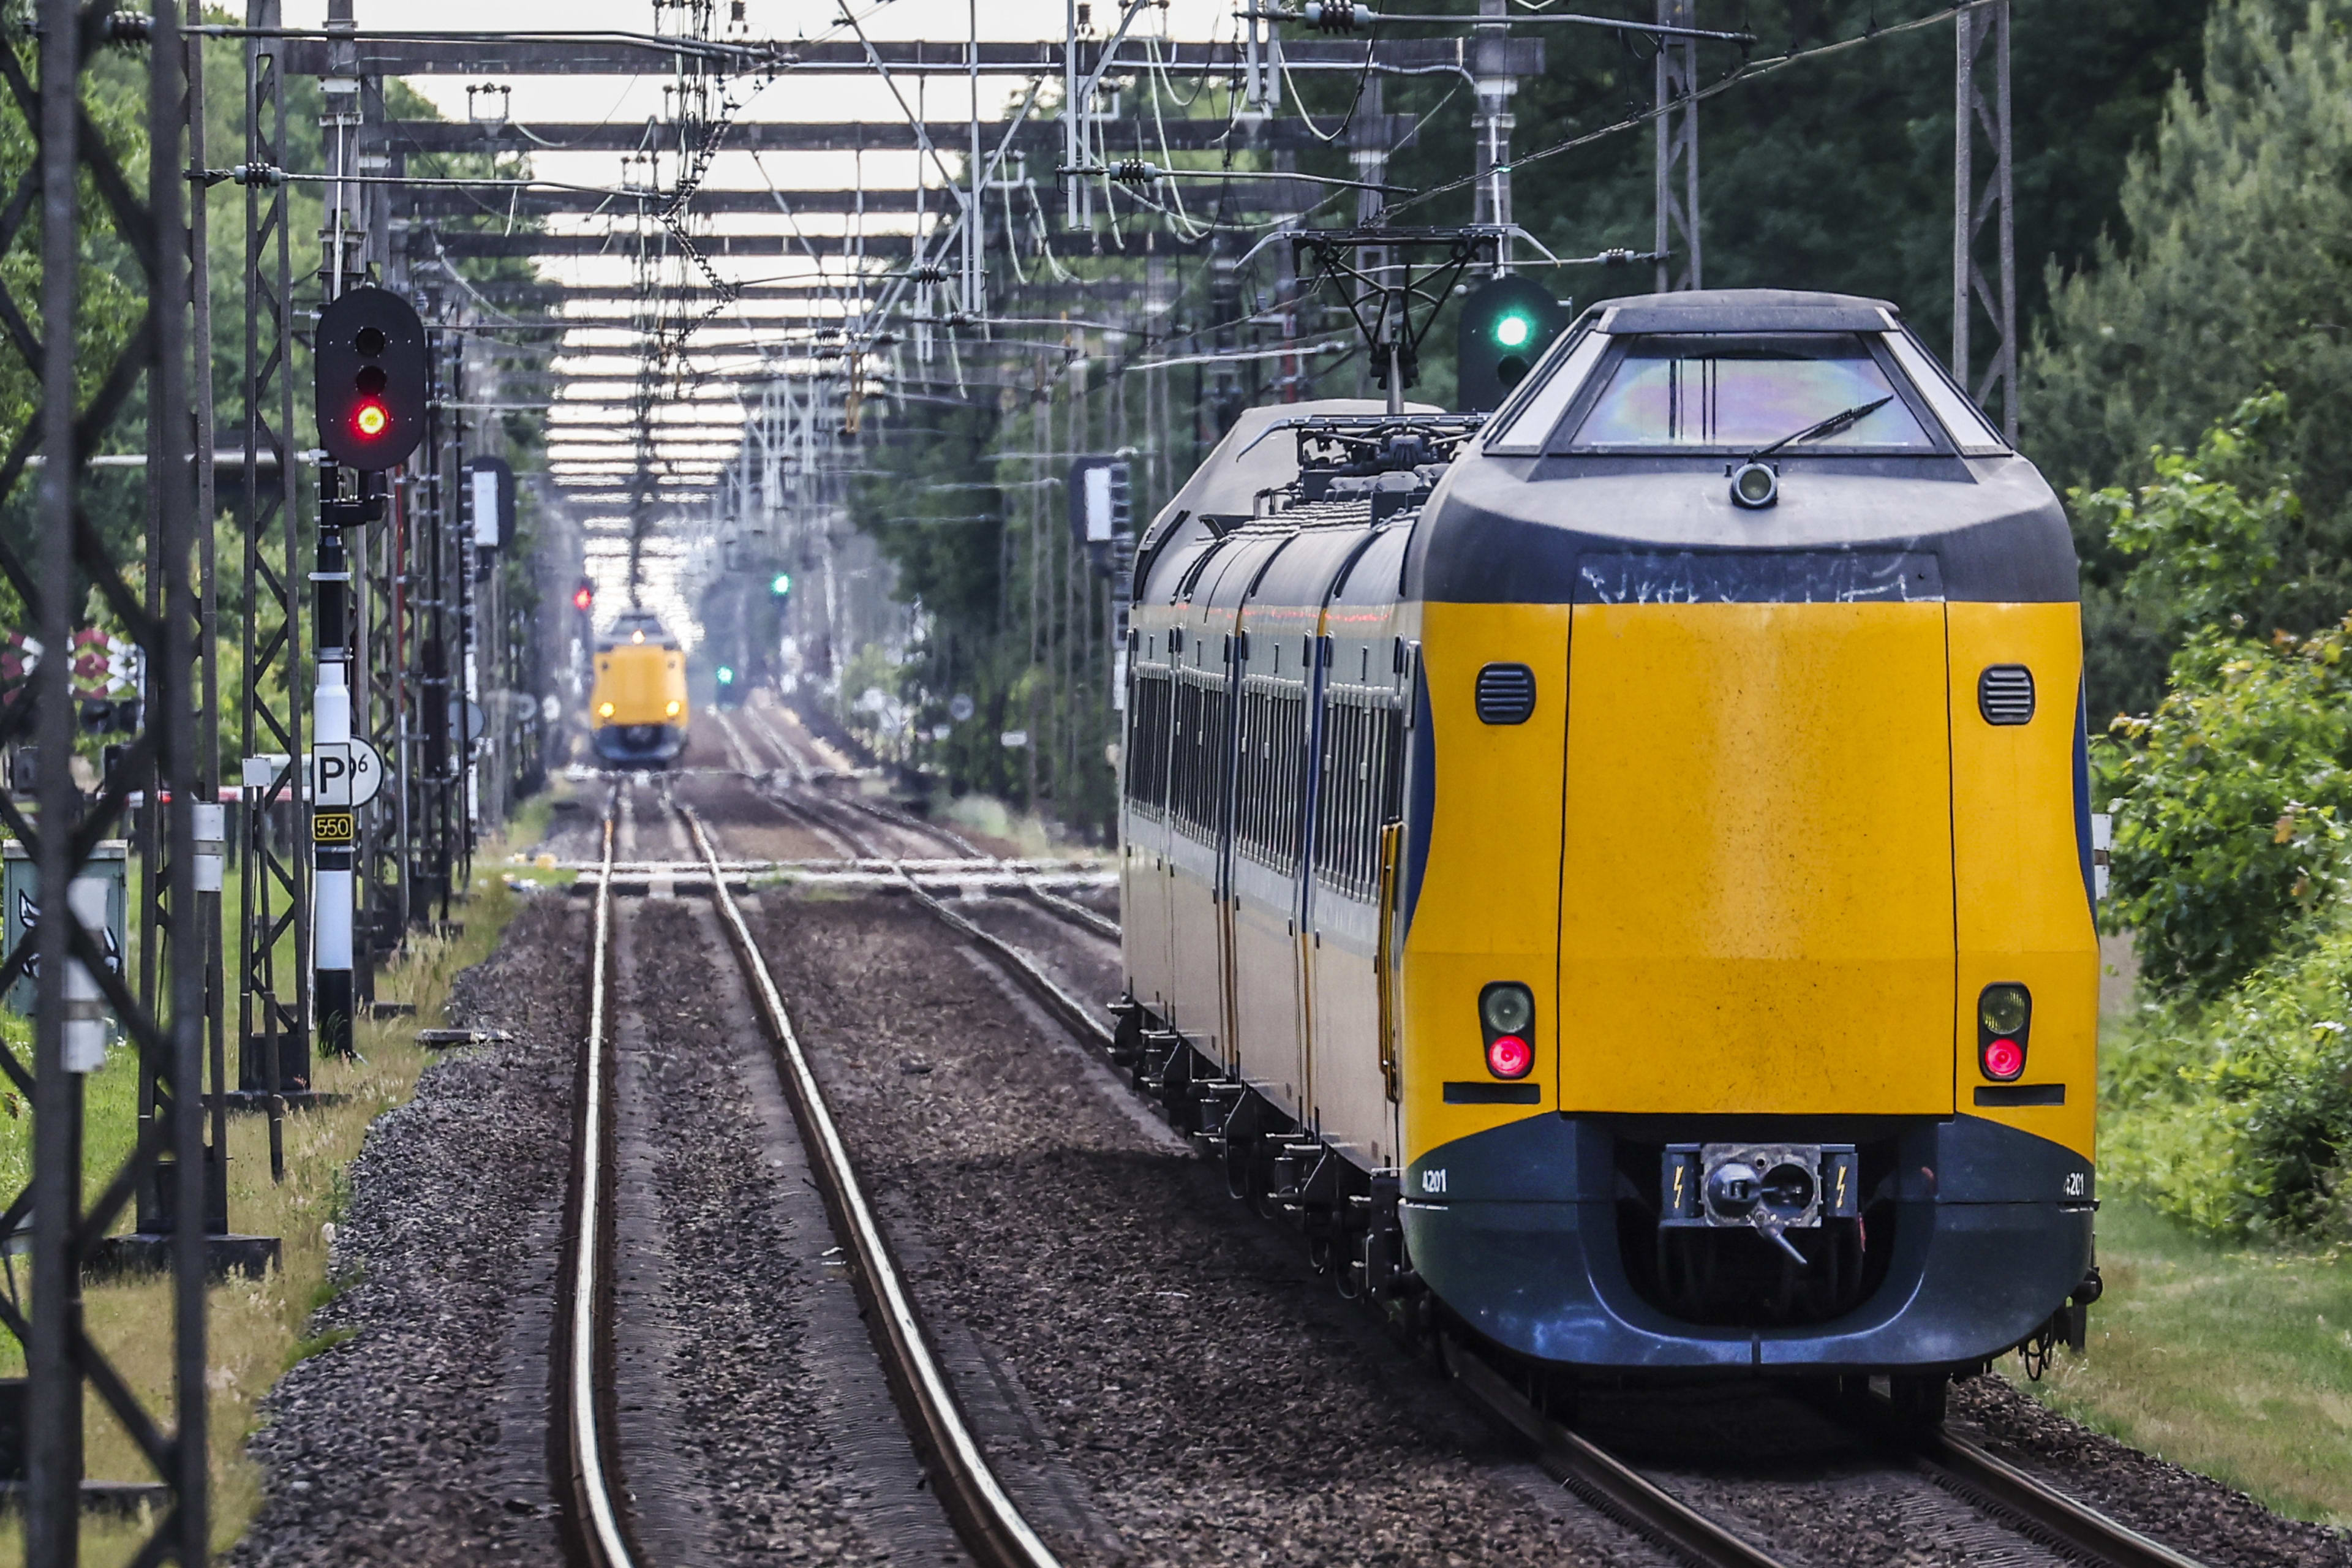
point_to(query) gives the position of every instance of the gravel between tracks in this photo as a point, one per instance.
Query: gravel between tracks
(422, 1440)
(1220, 1402)
(746, 1442)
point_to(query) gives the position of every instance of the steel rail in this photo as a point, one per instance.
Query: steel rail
(991, 1523)
(1023, 970)
(1071, 911)
(1993, 1483)
(1599, 1477)
(588, 1489)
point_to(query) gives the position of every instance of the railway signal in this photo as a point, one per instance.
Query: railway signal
(780, 586)
(584, 597)
(1506, 324)
(371, 379)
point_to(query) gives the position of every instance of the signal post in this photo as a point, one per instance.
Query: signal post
(371, 364)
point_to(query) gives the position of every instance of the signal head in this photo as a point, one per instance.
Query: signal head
(780, 583)
(370, 379)
(1506, 324)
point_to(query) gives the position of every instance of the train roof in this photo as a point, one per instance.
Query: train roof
(634, 626)
(1914, 496)
(1741, 311)
(1256, 457)
(1538, 510)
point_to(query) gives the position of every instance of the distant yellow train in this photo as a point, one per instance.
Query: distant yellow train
(638, 711)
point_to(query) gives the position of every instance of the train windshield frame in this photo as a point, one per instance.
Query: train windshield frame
(1716, 394)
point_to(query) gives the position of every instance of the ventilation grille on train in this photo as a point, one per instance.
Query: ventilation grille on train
(1506, 694)
(2005, 694)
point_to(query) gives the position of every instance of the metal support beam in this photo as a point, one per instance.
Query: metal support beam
(79, 984)
(1678, 151)
(1038, 138)
(1982, 120)
(387, 54)
(1493, 122)
(274, 891)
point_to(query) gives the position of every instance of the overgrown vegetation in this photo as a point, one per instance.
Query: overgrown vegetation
(256, 1329)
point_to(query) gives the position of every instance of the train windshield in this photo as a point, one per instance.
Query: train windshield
(1743, 392)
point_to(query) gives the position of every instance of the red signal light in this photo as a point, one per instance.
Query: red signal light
(583, 598)
(371, 419)
(1509, 1056)
(2003, 1058)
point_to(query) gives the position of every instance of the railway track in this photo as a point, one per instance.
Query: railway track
(2043, 1511)
(850, 820)
(1986, 1483)
(599, 1529)
(2008, 1496)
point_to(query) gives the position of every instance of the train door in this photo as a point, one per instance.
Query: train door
(1277, 620)
(1201, 797)
(1143, 879)
(1148, 877)
(1357, 768)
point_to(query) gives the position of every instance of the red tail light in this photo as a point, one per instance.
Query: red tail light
(1509, 1056)
(2003, 1058)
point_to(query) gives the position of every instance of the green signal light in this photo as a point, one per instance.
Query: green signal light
(726, 676)
(781, 584)
(1514, 331)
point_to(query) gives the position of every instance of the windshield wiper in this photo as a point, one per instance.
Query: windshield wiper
(1829, 426)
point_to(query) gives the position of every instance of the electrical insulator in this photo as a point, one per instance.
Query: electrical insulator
(1336, 17)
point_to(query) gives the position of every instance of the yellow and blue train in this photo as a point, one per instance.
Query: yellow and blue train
(638, 709)
(1619, 875)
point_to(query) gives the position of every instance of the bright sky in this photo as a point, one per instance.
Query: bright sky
(600, 100)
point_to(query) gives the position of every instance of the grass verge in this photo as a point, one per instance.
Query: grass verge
(2234, 1362)
(257, 1329)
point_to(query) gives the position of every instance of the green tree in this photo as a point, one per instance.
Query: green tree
(2235, 790)
(2229, 275)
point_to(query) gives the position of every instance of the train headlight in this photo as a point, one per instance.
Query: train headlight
(672, 709)
(1507, 1009)
(2003, 1009)
(603, 710)
(1754, 486)
(1509, 1056)
(2004, 1020)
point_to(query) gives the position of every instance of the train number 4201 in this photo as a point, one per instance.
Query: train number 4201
(2077, 1183)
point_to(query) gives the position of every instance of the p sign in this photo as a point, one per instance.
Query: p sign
(345, 774)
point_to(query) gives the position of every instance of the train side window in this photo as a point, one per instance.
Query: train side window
(1147, 748)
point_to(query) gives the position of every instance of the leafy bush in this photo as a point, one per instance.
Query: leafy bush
(2234, 793)
(2238, 1117)
(2232, 800)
